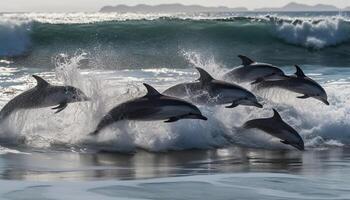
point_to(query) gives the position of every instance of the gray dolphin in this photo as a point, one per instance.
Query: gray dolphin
(43, 95)
(298, 83)
(151, 107)
(254, 72)
(276, 127)
(210, 91)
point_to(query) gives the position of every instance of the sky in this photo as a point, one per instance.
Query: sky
(95, 5)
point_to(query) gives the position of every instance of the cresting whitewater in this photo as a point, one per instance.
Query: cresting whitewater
(108, 56)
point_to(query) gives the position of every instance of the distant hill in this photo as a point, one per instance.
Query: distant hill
(297, 7)
(168, 8)
(347, 8)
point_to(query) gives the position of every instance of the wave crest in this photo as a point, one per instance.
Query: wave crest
(158, 42)
(315, 34)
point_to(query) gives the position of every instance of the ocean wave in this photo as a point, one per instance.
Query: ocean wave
(14, 38)
(159, 40)
(320, 126)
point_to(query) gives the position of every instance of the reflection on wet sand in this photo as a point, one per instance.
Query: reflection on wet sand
(92, 166)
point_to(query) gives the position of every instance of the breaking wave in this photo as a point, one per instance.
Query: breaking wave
(152, 41)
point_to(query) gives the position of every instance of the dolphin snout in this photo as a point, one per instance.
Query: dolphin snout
(259, 105)
(199, 116)
(325, 102)
(202, 117)
(299, 146)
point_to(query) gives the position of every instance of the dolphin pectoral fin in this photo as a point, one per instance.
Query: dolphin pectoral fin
(303, 97)
(285, 142)
(233, 105)
(60, 107)
(172, 119)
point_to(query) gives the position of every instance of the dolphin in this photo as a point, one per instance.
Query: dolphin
(254, 72)
(43, 95)
(151, 107)
(298, 83)
(276, 127)
(209, 91)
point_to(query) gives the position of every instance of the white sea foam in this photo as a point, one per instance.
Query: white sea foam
(315, 34)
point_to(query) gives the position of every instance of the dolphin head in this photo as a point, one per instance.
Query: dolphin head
(73, 94)
(191, 111)
(195, 113)
(299, 145)
(311, 88)
(292, 138)
(321, 95)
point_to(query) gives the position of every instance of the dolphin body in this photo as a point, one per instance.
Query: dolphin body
(151, 107)
(276, 127)
(254, 72)
(298, 83)
(43, 95)
(209, 91)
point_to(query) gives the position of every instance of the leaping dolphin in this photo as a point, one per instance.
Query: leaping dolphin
(298, 83)
(276, 127)
(254, 72)
(210, 91)
(43, 95)
(151, 107)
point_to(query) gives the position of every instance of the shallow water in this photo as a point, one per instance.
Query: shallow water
(196, 174)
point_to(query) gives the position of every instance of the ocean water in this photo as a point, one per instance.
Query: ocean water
(108, 56)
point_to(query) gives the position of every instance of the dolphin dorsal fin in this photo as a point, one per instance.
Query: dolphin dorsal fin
(245, 60)
(204, 75)
(299, 72)
(151, 91)
(40, 81)
(276, 115)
